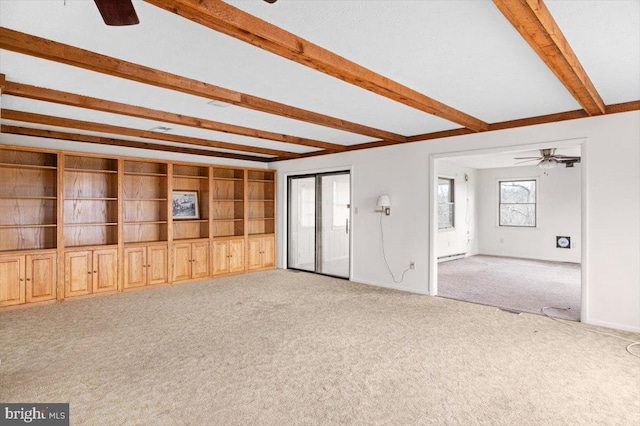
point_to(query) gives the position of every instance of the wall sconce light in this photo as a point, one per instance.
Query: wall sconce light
(384, 202)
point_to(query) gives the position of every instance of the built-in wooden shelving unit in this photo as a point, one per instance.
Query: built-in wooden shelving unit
(28, 200)
(145, 199)
(228, 202)
(261, 202)
(76, 224)
(188, 178)
(90, 201)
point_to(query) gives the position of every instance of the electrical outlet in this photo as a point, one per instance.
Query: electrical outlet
(412, 264)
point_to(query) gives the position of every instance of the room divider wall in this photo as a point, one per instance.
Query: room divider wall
(76, 224)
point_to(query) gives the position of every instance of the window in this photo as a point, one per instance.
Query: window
(517, 205)
(340, 203)
(307, 204)
(445, 203)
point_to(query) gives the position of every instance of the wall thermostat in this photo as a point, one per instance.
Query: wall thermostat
(563, 242)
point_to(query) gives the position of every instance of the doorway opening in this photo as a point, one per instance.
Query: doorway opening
(319, 218)
(507, 230)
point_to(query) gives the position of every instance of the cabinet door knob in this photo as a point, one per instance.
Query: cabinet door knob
(28, 279)
(95, 272)
(89, 272)
(144, 266)
(148, 266)
(21, 279)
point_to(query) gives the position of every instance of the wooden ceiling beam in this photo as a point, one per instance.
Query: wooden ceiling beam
(72, 99)
(39, 47)
(75, 137)
(534, 22)
(49, 120)
(229, 20)
(511, 124)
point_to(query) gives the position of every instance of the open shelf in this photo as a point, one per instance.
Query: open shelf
(28, 200)
(228, 202)
(144, 168)
(27, 159)
(261, 202)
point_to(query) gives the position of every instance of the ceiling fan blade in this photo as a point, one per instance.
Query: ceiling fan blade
(526, 161)
(568, 160)
(565, 156)
(527, 158)
(117, 13)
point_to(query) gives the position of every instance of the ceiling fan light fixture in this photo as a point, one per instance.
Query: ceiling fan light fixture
(548, 163)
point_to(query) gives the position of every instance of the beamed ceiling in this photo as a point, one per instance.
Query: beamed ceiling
(304, 78)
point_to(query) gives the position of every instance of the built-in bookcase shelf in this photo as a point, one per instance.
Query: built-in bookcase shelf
(90, 201)
(228, 202)
(188, 178)
(261, 202)
(28, 200)
(145, 201)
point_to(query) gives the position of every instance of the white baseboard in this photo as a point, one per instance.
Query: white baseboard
(392, 287)
(615, 326)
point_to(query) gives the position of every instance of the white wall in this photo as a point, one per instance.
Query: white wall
(462, 237)
(611, 203)
(558, 214)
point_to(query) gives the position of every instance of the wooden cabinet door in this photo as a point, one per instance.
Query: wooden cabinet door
(41, 277)
(220, 257)
(254, 256)
(268, 252)
(181, 262)
(236, 255)
(200, 260)
(157, 265)
(135, 267)
(12, 284)
(105, 270)
(78, 273)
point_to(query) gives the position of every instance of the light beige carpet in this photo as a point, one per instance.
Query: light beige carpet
(520, 284)
(285, 348)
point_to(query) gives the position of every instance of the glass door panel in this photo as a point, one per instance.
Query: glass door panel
(333, 235)
(302, 223)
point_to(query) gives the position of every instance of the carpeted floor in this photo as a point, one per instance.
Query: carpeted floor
(519, 284)
(285, 348)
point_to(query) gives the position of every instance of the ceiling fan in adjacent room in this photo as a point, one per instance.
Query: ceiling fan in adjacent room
(549, 159)
(118, 13)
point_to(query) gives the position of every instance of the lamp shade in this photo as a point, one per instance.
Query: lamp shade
(384, 201)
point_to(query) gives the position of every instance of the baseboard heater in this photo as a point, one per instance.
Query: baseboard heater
(451, 257)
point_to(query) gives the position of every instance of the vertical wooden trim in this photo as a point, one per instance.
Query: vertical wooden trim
(246, 218)
(60, 281)
(210, 201)
(275, 219)
(120, 259)
(171, 256)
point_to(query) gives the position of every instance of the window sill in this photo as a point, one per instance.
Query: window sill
(447, 229)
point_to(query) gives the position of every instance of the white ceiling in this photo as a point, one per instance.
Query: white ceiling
(462, 53)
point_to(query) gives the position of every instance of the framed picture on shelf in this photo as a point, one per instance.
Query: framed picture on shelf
(185, 205)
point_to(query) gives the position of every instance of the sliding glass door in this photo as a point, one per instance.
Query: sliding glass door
(319, 223)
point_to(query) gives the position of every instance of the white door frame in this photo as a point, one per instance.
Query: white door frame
(284, 234)
(433, 213)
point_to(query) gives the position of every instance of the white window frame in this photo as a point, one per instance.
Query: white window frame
(452, 192)
(536, 204)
